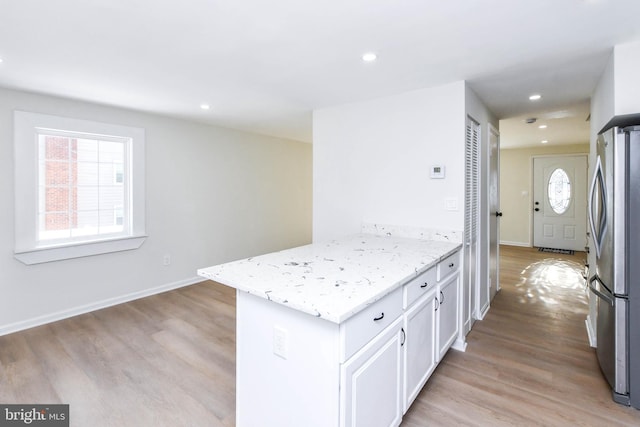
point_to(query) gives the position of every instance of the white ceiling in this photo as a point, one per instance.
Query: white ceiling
(563, 126)
(263, 66)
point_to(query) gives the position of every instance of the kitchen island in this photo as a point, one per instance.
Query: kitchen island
(341, 333)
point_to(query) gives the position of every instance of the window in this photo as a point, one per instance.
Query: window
(559, 191)
(79, 187)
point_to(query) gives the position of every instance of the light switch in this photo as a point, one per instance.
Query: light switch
(451, 203)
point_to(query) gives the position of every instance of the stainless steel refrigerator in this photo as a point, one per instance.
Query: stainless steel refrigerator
(614, 216)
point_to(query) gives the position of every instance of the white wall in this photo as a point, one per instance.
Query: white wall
(371, 162)
(213, 195)
(603, 106)
(627, 87)
(618, 90)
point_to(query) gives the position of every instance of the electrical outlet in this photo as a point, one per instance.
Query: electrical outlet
(280, 342)
(166, 260)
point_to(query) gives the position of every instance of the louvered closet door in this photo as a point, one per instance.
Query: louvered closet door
(471, 247)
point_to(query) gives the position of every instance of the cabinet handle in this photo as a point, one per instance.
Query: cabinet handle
(437, 303)
(404, 337)
(425, 285)
(375, 319)
(441, 298)
(451, 265)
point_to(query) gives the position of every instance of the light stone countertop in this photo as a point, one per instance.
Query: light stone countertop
(333, 280)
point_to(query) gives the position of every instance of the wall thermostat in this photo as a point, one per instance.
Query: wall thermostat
(437, 172)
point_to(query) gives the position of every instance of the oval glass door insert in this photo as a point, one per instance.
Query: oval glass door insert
(559, 191)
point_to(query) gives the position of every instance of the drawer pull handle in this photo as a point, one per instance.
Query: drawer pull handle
(437, 303)
(404, 337)
(425, 285)
(441, 298)
(451, 265)
(375, 319)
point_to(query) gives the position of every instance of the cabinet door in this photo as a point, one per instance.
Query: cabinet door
(420, 345)
(449, 315)
(371, 382)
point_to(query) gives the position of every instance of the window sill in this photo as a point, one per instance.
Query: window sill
(78, 250)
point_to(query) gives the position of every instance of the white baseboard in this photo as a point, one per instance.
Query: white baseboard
(593, 340)
(483, 312)
(460, 344)
(64, 314)
(521, 244)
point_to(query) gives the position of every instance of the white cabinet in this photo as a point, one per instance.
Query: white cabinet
(449, 318)
(380, 382)
(431, 323)
(371, 382)
(420, 323)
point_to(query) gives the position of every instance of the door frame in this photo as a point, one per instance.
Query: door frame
(532, 183)
(495, 131)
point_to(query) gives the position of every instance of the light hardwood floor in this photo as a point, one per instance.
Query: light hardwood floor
(169, 360)
(528, 362)
(165, 360)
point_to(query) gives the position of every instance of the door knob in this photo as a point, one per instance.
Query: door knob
(536, 209)
(498, 213)
(537, 203)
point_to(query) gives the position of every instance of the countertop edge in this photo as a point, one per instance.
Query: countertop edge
(395, 286)
(334, 319)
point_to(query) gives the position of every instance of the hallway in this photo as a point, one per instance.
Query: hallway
(528, 362)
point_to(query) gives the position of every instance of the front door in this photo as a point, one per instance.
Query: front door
(560, 202)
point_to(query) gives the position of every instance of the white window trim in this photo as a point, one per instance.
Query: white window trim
(26, 248)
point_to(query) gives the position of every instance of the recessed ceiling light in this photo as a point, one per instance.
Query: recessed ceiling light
(542, 127)
(535, 97)
(544, 141)
(369, 57)
(205, 106)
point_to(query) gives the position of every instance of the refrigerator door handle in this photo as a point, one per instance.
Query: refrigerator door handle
(598, 225)
(595, 290)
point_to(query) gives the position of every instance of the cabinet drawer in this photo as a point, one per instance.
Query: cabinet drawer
(448, 265)
(418, 287)
(363, 327)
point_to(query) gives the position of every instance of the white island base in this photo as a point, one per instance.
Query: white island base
(294, 369)
(359, 366)
(301, 387)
